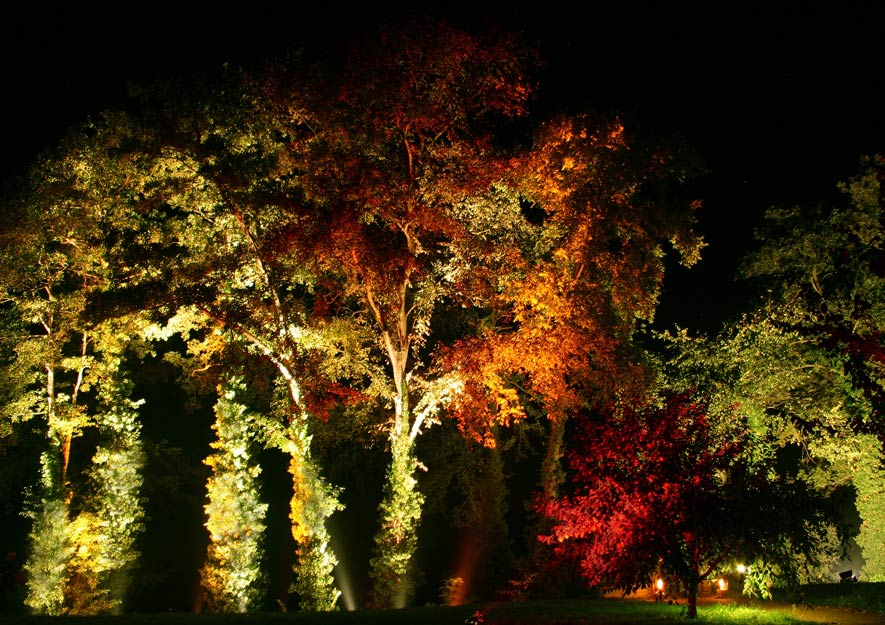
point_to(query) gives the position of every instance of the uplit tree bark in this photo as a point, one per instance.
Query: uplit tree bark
(313, 501)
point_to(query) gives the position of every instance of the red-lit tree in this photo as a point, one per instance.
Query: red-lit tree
(666, 491)
(398, 161)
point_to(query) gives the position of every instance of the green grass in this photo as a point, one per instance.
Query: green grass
(554, 612)
(866, 596)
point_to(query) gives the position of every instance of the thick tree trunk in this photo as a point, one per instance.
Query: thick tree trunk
(552, 475)
(692, 599)
(396, 540)
(313, 502)
(400, 509)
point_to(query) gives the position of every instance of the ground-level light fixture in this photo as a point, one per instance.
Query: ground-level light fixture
(659, 590)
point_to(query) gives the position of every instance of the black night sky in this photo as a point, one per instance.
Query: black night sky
(780, 99)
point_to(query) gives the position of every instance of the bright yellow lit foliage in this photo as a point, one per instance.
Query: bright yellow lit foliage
(79, 563)
(116, 474)
(235, 514)
(869, 483)
(47, 563)
(313, 501)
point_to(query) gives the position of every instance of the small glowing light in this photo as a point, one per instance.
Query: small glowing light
(659, 584)
(723, 584)
(742, 569)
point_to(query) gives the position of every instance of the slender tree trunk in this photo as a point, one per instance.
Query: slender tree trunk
(50, 546)
(400, 509)
(313, 502)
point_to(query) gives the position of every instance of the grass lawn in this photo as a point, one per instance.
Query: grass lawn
(554, 612)
(869, 597)
(866, 596)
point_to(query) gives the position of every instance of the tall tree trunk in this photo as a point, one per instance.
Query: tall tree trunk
(117, 472)
(400, 509)
(234, 512)
(692, 598)
(552, 475)
(396, 540)
(869, 485)
(50, 546)
(313, 502)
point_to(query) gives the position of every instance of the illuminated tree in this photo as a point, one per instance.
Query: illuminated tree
(794, 405)
(424, 201)
(117, 467)
(666, 491)
(84, 544)
(218, 214)
(54, 261)
(571, 296)
(823, 270)
(398, 164)
(326, 219)
(33, 392)
(235, 514)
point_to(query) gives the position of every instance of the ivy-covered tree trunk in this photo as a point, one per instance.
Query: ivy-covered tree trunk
(313, 502)
(50, 544)
(235, 514)
(80, 563)
(869, 484)
(117, 467)
(397, 537)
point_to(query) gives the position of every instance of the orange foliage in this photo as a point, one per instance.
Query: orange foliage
(565, 319)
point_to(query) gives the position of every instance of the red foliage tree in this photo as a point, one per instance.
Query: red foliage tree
(663, 491)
